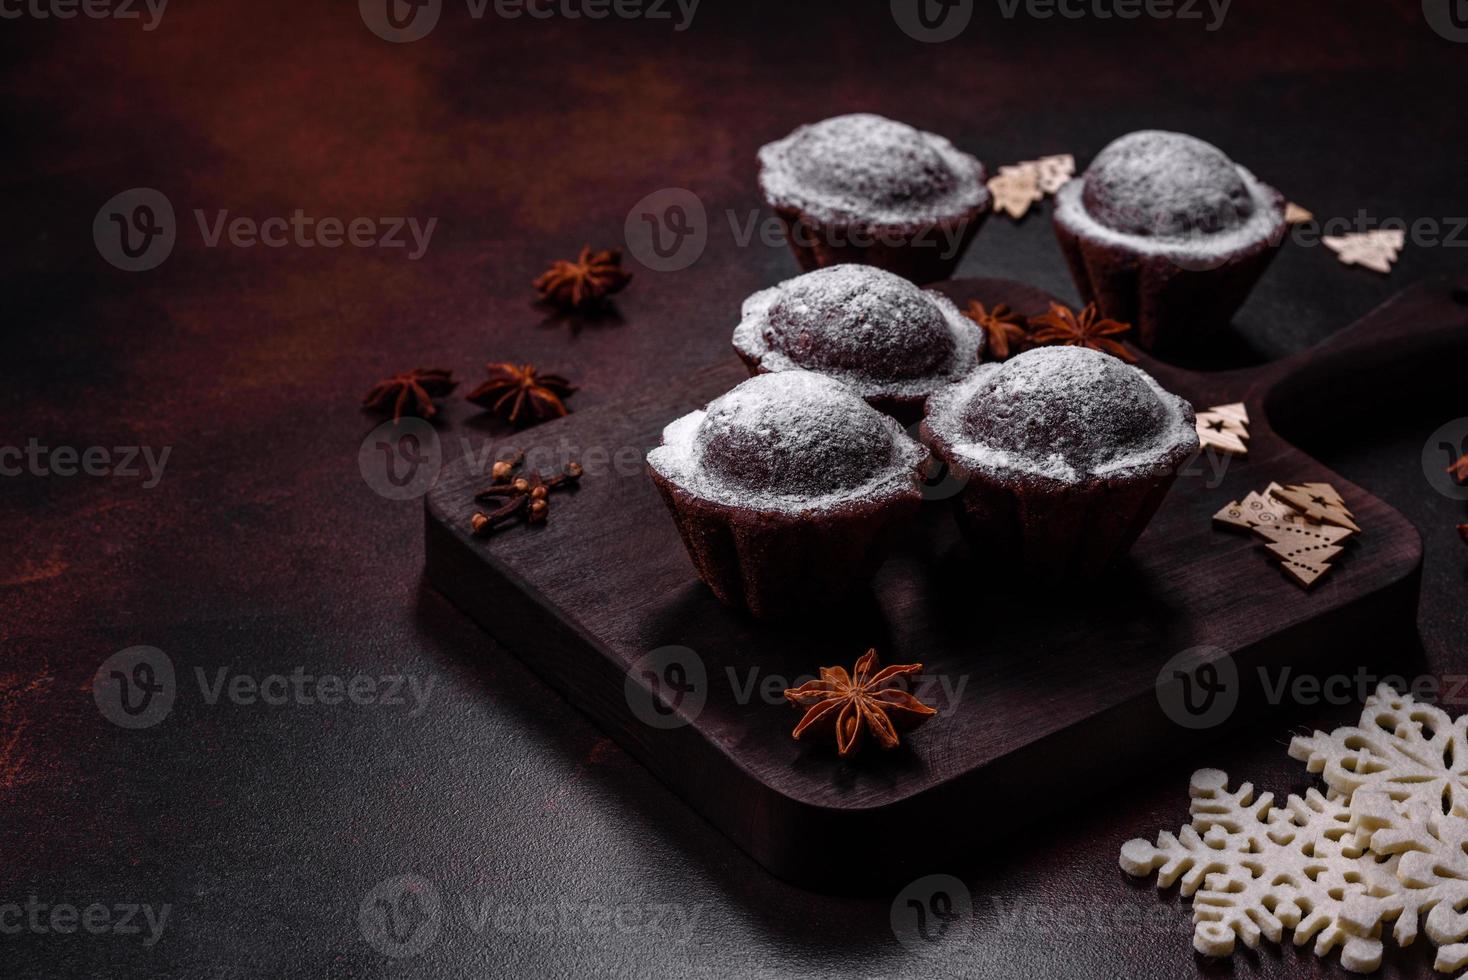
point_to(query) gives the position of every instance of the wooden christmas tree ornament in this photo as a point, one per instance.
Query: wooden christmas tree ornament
(1015, 189)
(1020, 185)
(1256, 510)
(1291, 522)
(1376, 250)
(1225, 428)
(1319, 502)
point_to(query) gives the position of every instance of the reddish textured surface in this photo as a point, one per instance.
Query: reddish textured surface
(262, 549)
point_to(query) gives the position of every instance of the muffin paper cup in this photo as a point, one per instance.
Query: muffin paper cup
(1168, 305)
(777, 565)
(1056, 533)
(920, 253)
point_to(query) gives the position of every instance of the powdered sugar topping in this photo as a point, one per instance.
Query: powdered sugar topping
(792, 441)
(870, 329)
(1170, 193)
(1065, 413)
(867, 168)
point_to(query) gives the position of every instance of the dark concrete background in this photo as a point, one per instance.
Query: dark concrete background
(262, 549)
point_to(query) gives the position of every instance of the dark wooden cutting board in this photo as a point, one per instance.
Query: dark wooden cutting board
(1044, 693)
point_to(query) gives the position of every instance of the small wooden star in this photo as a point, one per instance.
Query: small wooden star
(1376, 250)
(1225, 428)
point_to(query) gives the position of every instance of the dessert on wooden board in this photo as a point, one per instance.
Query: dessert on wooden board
(785, 489)
(891, 342)
(1064, 454)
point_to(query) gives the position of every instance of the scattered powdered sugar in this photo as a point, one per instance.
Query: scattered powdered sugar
(870, 169)
(870, 329)
(793, 441)
(1066, 413)
(1168, 184)
(1169, 193)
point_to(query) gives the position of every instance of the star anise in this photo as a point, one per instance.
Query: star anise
(1004, 329)
(411, 392)
(585, 283)
(512, 389)
(1463, 532)
(1086, 329)
(869, 700)
(523, 495)
(1459, 470)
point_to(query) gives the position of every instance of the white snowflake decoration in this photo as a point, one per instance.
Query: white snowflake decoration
(1404, 772)
(1405, 749)
(1432, 869)
(1264, 868)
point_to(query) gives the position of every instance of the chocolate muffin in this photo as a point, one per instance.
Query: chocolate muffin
(884, 338)
(1165, 232)
(863, 188)
(1064, 453)
(785, 489)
